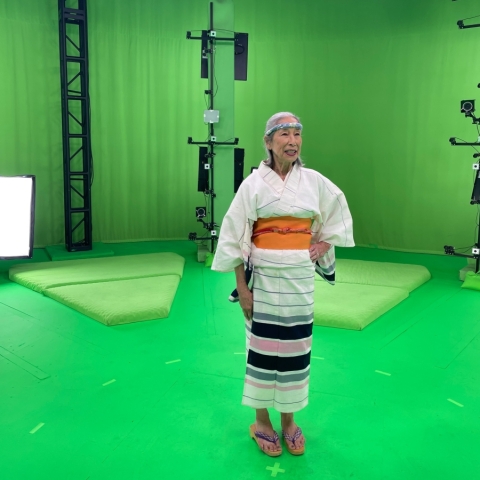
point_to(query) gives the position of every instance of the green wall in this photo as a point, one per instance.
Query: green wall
(377, 85)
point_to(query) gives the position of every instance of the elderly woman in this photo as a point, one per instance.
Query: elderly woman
(283, 223)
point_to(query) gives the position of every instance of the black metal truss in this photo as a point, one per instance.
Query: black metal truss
(77, 156)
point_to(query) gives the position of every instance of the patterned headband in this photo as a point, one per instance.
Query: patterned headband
(282, 126)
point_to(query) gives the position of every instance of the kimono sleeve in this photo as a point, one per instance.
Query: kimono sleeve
(335, 226)
(337, 223)
(234, 243)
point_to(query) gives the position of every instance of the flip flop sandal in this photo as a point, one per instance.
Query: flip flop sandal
(292, 438)
(256, 435)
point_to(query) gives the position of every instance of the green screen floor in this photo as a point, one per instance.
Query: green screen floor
(161, 399)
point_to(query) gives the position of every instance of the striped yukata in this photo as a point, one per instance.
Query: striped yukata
(279, 337)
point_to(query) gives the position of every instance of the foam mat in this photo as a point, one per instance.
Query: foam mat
(42, 276)
(353, 306)
(122, 301)
(111, 290)
(364, 291)
(398, 275)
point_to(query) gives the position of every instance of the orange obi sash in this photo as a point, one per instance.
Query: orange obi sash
(282, 233)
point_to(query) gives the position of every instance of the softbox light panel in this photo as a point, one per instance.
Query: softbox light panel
(17, 215)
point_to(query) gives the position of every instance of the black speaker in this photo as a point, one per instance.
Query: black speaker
(204, 60)
(475, 200)
(239, 155)
(241, 56)
(202, 171)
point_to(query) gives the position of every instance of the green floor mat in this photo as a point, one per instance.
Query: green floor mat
(120, 302)
(353, 306)
(42, 276)
(398, 275)
(364, 291)
(59, 252)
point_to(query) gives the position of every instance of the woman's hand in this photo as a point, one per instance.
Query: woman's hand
(318, 250)
(245, 297)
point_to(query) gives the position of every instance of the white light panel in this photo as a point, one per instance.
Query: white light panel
(16, 221)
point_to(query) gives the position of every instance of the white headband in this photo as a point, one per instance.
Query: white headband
(280, 126)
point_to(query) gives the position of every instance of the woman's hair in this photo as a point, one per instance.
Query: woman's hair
(272, 121)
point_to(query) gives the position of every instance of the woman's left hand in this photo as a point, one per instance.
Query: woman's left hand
(318, 250)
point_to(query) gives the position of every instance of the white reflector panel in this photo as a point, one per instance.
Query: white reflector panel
(17, 197)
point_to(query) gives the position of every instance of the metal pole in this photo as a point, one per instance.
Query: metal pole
(212, 129)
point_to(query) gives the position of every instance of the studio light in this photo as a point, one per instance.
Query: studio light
(17, 215)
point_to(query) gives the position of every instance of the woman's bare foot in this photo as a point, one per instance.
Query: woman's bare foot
(290, 428)
(264, 426)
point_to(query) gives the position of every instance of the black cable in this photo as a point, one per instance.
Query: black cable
(477, 225)
(236, 44)
(92, 175)
(469, 18)
(239, 45)
(463, 248)
(466, 142)
(205, 197)
(215, 67)
(201, 239)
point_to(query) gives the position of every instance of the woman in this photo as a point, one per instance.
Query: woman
(283, 222)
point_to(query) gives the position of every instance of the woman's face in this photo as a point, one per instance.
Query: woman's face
(286, 143)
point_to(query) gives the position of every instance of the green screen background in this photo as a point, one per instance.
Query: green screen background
(377, 86)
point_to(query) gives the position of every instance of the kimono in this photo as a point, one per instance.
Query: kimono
(279, 336)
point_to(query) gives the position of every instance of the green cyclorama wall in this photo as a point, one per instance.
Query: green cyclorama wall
(377, 85)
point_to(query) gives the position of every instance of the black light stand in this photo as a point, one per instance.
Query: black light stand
(468, 108)
(208, 39)
(474, 200)
(77, 156)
